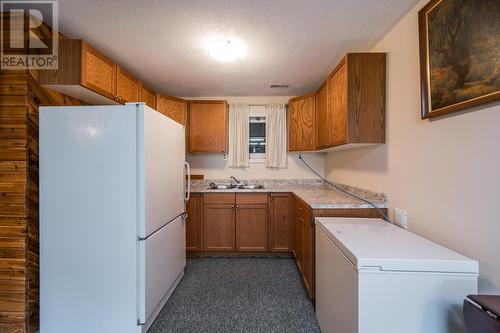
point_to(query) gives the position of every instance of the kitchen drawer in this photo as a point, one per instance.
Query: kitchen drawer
(251, 198)
(219, 198)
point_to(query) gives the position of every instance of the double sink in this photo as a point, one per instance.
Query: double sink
(214, 186)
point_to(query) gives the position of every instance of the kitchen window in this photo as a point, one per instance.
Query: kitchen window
(257, 134)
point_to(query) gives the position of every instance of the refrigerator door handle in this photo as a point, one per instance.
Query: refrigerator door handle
(188, 187)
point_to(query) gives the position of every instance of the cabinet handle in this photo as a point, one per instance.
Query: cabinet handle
(237, 206)
(232, 206)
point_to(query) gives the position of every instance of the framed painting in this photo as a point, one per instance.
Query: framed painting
(459, 54)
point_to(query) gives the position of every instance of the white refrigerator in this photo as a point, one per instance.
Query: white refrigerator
(374, 277)
(112, 216)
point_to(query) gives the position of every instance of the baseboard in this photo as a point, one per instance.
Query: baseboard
(239, 254)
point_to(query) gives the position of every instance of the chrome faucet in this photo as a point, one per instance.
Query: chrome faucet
(236, 180)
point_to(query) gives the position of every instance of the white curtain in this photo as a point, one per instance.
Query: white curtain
(276, 154)
(238, 135)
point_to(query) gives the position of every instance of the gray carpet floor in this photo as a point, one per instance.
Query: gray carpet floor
(238, 295)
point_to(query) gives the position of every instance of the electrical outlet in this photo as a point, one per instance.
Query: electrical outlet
(224, 157)
(401, 217)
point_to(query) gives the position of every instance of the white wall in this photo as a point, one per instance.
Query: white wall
(445, 172)
(214, 167)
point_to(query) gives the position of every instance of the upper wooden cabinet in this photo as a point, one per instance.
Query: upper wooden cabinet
(337, 107)
(98, 73)
(147, 96)
(88, 75)
(301, 123)
(322, 117)
(127, 87)
(172, 107)
(207, 130)
(348, 108)
(83, 73)
(356, 101)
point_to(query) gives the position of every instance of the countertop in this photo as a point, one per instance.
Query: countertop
(315, 193)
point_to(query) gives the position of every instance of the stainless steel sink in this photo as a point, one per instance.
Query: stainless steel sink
(221, 186)
(250, 187)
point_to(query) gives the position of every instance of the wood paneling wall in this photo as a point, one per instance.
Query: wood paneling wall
(13, 199)
(20, 97)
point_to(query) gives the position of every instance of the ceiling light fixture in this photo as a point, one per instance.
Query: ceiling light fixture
(225, 50)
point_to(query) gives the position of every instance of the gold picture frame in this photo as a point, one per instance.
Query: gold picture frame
(459, 55)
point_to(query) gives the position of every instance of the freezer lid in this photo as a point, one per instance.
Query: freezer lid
(374, 244)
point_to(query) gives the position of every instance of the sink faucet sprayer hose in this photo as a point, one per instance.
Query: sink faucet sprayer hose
(385, 217)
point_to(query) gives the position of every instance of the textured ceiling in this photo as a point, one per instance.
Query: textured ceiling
(295, 42)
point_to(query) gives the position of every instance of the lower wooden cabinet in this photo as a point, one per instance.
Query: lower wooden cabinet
(219, 227)
(304, 236)
(280, 222)
(251, 227)
(298, 239)
(308, 251)
(193, 225)
(235, 222)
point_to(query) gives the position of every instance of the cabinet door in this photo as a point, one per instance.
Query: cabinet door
(127, 87)
(301, 130)
(298, 235)
(193, 226)
(98, 72)
(208, 127)
(251, 227)
(281, 222)
(147, 96)
(174, 108)
(219, 228)
(308, 251)
(337, 86)
(322, 118)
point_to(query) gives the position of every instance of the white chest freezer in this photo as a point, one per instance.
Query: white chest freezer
(374, 277)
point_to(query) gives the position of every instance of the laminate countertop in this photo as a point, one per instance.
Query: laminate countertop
(315, 193)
